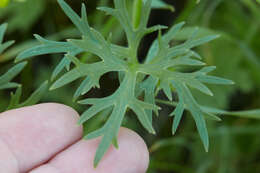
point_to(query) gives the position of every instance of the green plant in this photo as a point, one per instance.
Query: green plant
(6, 78)
(139, 82)
(9, 75)
(21, 14)
(3, 3)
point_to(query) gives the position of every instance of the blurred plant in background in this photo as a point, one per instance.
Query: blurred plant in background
(234, 141)
(4, 3)
(237, 56)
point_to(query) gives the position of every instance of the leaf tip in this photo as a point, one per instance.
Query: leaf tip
(207, 149)
(17, 59)
(95, 164)
(232, 82)
(80, 102)
(53, 87)
(80, 122)
(174, 131)
(211, 94)
(60, 1)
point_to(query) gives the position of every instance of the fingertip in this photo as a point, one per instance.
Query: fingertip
(66, 115)
(132, 156)
(42, 130)
(134, 147)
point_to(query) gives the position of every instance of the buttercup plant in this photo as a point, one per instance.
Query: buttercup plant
(161, 70)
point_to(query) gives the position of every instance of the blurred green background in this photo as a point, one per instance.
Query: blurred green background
(234, 142)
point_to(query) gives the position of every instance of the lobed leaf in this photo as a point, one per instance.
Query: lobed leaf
(153, 51)
(111, 130)
(162, 69)
(178, 112)
(142, 117)
(80, 23)
(195, 110)
(48, 47)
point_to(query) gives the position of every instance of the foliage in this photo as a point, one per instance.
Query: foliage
(162, 70)
(5, 79)
(3, 3)
(234, 45)
(8, 76)
(235, 143)
(159, 4)
(22, 14)
(234, 140)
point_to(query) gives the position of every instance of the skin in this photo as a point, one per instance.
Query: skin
(45, 139)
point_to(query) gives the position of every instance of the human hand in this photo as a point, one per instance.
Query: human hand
(46, 139)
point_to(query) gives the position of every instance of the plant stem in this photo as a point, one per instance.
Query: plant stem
(137, 9)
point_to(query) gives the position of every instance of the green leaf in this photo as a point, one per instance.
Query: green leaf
(15, 98)
(9, 85)
(112, 127)
(166, 89)
(67, 78)
(153, 51)
(48, 47)
(195, 110)
(251, 114)
(2, 32)
(36, 95)
(254, 114)
(62, 64)
(199, 86)
(191, 43)
(148, 86)
(123, 97)
(142, 116)
(33, 99)
(159, 4)
(177, 116)
(80, 23)
(10, 74)
(94, 71)
(214, 80)
(134, 34)
(84, 87)
(163, 69)
(4, 46)
(98, 105)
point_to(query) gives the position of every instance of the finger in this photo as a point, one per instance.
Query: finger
(131, 157)
(32, 135)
